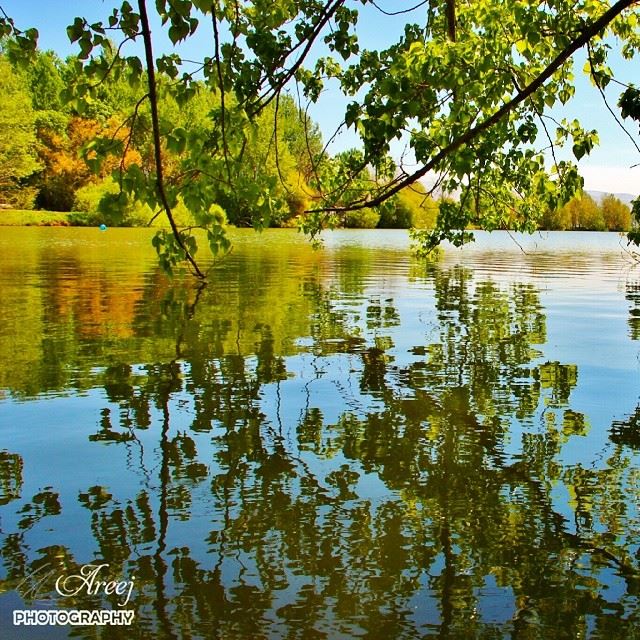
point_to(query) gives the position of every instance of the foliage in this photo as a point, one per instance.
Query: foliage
(629, 103)
(397, 217)
(634, 235)
(555, 219)
(18, 159)
(101, 203)
(584, 213)
(64, 169)
(413, 207)
(27, 218)
(68, 158)
(45, 82)
(269, 186)
(346, 178)
(469, 88)
(82, 142)
(617, 215)
(361, 219)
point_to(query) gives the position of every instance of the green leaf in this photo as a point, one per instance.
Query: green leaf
(76, 30)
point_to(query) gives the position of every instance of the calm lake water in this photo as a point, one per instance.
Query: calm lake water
(343, 443)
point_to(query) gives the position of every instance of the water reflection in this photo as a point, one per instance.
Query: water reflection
(310, 448)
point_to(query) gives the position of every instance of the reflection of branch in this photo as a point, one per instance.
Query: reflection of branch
(140, 463)
(160, 565)
(627, 571)
(518, 471)
(165, 389)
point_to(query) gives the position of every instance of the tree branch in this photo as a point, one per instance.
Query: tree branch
(153, 99)
(265, 100)
(451, 19)
(216, 39)
(596, 80)
(587, 34)
(401, 11)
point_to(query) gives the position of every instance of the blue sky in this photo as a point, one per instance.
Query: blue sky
(606, 169)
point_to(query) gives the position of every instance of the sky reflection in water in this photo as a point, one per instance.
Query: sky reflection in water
(332, 444)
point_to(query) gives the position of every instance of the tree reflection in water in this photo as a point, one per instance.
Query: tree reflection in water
(313, 479)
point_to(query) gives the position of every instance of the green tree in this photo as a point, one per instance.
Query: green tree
(45, 82)
(18, 157)
(266, 187)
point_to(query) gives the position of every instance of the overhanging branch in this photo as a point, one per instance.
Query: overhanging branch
(586, 35)
(157, 149)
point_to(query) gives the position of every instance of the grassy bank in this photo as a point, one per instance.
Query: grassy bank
(25, 218)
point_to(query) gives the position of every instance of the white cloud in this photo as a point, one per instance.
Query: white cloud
(611, 179)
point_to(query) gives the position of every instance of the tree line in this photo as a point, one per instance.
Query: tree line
(53, 154)
(584, 213)
(58, 153)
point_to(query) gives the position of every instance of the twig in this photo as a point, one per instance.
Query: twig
(116, 57)
(594, 75)
(264, 100)
(275, 136)
(134, 117)
(402, 11)
(216, 39)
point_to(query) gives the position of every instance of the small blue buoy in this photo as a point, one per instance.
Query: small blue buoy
(103, 227)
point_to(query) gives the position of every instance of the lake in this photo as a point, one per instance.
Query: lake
(341, 443)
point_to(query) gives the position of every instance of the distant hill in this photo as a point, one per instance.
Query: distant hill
(625, 197)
